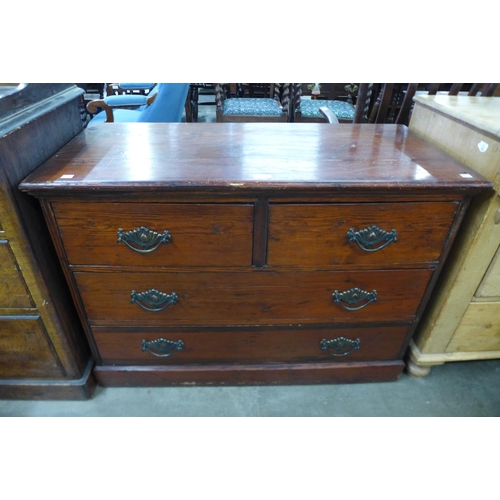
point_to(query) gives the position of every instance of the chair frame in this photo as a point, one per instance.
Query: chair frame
(386, 110)
(93, 106)
(361, 108)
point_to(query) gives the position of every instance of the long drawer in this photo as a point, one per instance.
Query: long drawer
(154, 346)
(245, 298)
(361, 234)
(156, 234)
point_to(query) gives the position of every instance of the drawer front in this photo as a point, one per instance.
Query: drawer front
(13, 292)
(197, 234)
(25, 350)
(259, 297)
(361, 234)
(153, 346)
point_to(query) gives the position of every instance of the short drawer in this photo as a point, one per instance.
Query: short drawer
(256, 297)
(160, 235)
(153, 346)
(361, 234)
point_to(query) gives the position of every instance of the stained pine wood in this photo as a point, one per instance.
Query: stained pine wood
(201, 234)
(241, 346)
(228, 157)
(254, 301)
(252, 298)
(316, 235)
(249, 374)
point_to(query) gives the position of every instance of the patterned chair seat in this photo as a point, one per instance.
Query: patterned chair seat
(310, 109)
(252, 107)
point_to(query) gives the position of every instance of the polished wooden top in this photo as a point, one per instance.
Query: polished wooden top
(482, 113)
(249, 156)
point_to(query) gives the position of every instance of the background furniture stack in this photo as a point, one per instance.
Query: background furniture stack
(43, 351)
(463, 320)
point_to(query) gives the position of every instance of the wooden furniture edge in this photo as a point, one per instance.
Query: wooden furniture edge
(419, 364)
(64, 389)
(440, 109)
(255, 374)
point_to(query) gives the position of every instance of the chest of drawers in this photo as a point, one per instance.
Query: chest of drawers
(251, 253)
(463, 322)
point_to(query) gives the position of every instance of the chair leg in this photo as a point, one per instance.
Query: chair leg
(194, 103)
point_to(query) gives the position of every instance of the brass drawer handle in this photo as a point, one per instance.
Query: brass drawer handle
(165, 347)
(339, 344)
(153, 300)
(368, 238)
(354, 296)
(142, 239)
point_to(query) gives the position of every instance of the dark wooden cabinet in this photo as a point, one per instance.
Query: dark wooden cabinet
(43, 350)
(251, 253)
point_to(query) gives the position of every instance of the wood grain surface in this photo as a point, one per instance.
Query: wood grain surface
(260, 297)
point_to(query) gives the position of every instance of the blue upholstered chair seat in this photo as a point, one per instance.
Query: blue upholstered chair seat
(343, 110)
(252, 106)
(126, 100)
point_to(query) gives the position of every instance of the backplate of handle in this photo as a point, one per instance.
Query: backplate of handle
(372, 238)
(354, 296)
(142, 239)
(153, 300)
(339, 344)
(162, 348)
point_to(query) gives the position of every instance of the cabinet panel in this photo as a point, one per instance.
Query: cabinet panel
(13, 292)
(479, 329)
(25, 350)
(490, 286)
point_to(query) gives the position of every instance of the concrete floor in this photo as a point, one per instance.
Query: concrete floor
(461, 389)
(466, 389)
